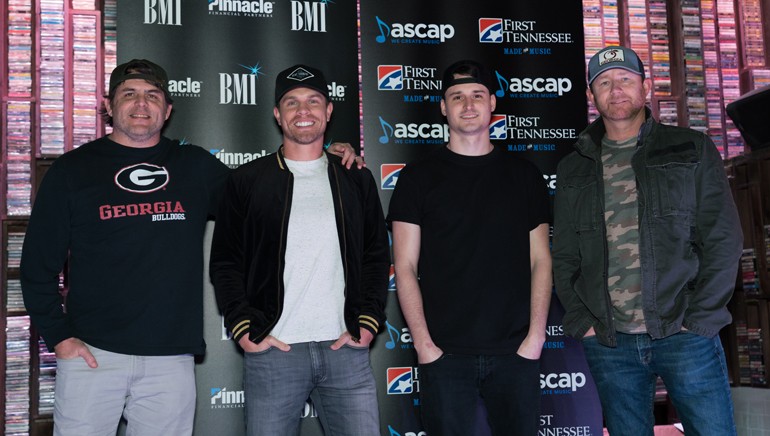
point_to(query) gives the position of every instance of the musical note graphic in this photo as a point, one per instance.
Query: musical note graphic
(387, 131)
(503, 83)
(391, 344)
(384, 30)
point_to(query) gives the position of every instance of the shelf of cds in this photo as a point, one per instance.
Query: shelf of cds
(700, 55)
(747, 339)
(56, 62)
(15, 368)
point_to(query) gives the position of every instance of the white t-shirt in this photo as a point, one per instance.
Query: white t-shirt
(314, 300)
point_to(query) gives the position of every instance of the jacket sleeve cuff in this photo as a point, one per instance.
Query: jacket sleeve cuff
(241, 329)
(370, 323)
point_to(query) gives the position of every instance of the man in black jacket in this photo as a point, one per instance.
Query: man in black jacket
(645, 252)
(303, 301)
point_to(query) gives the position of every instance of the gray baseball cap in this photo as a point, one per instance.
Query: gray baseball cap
(614, 56)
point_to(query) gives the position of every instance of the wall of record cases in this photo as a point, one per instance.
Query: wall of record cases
(53, 70)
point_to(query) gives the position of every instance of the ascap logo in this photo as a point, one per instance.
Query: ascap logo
(413, 33)
(166, 12)
(558, 85)
(413, 133)
(308, 16)
(235, 88)
(563, 383)
(532, 87)
(398, 336)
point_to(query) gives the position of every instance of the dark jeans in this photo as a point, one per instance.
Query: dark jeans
(692, 367)
(508, 384)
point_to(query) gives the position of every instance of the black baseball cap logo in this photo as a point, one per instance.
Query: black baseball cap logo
(142, 178)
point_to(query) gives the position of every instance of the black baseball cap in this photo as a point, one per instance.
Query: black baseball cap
(140, 69)
(300, 76)
(471, 72)
(614, 56)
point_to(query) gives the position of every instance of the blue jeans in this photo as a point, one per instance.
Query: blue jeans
(451, 386)
(277, 384)
(692, 367)
(156, 395)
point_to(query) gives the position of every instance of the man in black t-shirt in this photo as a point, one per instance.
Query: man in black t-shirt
(473, 269)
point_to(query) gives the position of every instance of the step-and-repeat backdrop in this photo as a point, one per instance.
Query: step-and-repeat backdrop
(383, 61)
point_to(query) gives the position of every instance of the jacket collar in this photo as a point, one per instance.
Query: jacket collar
(281, 159)
(589, 141)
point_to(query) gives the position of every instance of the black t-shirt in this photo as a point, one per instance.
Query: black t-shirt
(475, 214)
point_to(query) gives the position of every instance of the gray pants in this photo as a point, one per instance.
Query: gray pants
(156, 395)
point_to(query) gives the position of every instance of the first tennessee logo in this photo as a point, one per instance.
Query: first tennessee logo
(142, 178)
(402, 380)
(490, 30)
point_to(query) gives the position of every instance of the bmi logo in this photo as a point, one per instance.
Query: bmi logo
(167, 12)
(241, 88)
(389, 176)
(308, 16)
(390, 78)
(491, 30)
(497, 127)
(402, 380)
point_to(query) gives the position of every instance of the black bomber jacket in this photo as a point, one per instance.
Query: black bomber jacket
(249, 243)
